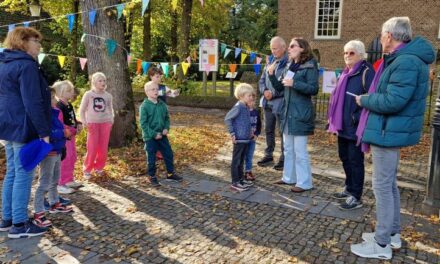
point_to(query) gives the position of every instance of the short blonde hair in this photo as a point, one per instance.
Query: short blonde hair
(150, 85)
(96, 76)
(243, 89)
(18, 38)
(61, 87)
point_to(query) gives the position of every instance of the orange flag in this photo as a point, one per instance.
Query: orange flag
(232, 67)
(139, 66)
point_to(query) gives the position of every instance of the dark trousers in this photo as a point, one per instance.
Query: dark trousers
(353, 162)
(271, 122)
(237, 165)
(162, 145)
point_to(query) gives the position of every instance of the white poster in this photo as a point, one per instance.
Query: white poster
(208, 55)
(328, 81)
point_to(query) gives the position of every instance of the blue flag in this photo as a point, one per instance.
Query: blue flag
(120, 8)
(111, 46)
(237, 52)
(26, 24)
(145, 66)
(92, 16)
(252, 57)
(71, 19)
(11, 27)
(257, 68)
(144, 6)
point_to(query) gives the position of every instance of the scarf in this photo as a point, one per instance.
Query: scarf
(336, 108)
(365, 112)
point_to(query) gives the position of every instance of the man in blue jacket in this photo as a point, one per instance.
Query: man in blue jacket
(393, 118)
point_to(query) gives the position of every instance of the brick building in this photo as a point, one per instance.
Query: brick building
(329, 24)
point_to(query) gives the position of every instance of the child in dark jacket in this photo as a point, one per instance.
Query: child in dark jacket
(256, 130)
(238, 122)
(50, 170)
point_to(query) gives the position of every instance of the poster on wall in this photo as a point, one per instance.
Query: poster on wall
(328, 81)
(208, 52)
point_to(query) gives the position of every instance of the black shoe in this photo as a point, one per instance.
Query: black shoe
(154, 182)
(265, 161)
(279, 166)
(174, 177)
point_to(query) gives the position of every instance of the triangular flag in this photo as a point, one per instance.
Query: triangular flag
(83, 37)
(138, 66)
(222, 48)
(41, 57)
(144, 6)
(185, 67)
(195, 55)
(175, 69)
(61, 60)
(201, 1)
(71, 20)
(243, 57)
(258, 60)
(188, 59)
(321, 71)
(128, 59)
(338, 72)
(237, 52)
(226, 52)
(257, 68)
(26, 24)
(232, 67)
(252, 57)
(11, 27)
(145, 66)
(174, 4)
(92, 16)
(82, 62)
(165, 68)
(120, 8)
(111, 46)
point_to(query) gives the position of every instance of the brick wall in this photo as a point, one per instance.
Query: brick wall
(360, 20)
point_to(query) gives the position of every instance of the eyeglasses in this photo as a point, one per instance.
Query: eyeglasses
(349, 53)
(35, 40)
(293, 46)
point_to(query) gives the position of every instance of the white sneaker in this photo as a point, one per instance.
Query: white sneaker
(396, 243)
(370, 249)
(74, 184)
(64, 189)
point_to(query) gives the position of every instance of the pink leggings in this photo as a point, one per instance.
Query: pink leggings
(68, 164)
(98, 135)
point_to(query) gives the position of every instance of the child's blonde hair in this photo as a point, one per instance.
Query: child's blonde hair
(61, 87)
(243, 89)
(96, 76)
(150, 85)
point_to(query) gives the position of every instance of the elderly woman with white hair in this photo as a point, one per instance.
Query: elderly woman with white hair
(343, 118)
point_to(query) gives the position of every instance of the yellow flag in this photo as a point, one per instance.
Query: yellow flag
(243, 57)
(174, 4)
(185, 66)
(61, 60)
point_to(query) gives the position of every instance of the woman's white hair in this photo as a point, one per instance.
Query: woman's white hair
(399, 27)
(358, 46)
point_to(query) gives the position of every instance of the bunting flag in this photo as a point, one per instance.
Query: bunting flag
(111, 46)
(222, 48)
(82, 62)
(92, 16)
(145, 66)
(175, 69)
(185, 66)
(165, 68)
(321, 71)
(258, 60)
(11, 27)
(338, 72)
(195, 55)
(237, 52)
(71, 20)
(174, 4)
(138, 66)
(41, 57)
(227, 51)
(26, 24)
(83, 37)
(61, 60)
(188, 59)
(201, 2)
(243, 57)
(128, 59)
(144, 6)
(252, 57)
(120, 8)
(232, 67)
(257, 68)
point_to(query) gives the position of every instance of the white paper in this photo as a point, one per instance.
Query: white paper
(352, 94)
(289, 75)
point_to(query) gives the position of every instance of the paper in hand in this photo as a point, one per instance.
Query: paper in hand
(289, 75)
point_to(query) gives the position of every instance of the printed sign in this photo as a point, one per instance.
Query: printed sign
(208, 52)
(328, 81)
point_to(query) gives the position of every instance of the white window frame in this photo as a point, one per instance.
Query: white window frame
(438, 37)
(338, 36)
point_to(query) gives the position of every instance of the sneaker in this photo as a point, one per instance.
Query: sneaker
(370, 249)
(87, 176)
(74, 184)
(350, 204)
(247, 183)
(64, 201)
(341, 195)
(174, 177)
(396, 243)
(41, 220)
(154, 182)
(279, 166)
(239, 187)
(64, 189)
(59, 208)
(29, 229)
(265, 161)
(5, 225)
(249, 176)
(46, 205)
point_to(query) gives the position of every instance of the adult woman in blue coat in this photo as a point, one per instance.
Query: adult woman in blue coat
(299, 83)
(24, 115)
(343, 119)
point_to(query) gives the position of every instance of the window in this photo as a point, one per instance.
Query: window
(328, 19)
(439, 31)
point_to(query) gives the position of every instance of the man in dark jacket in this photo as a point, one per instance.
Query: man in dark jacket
(396, 105)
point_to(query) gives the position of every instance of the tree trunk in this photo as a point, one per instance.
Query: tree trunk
(185, 29)
(128, 28)
(74, 43)
(147, 35)
(115, 67)
(174, 23)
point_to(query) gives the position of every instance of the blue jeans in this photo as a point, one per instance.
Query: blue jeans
(352, 159)
(249, 155)
(49, 175)
(385, 164)
(16, 186)
(271, 122)
(162, 145)
(297, 162)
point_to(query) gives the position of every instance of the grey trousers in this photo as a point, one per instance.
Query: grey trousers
(49, 176)
(386, 192)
